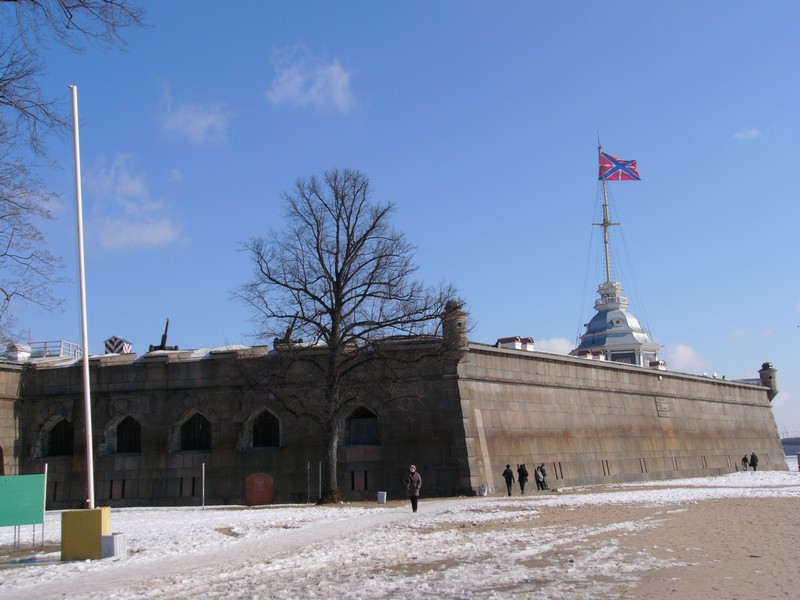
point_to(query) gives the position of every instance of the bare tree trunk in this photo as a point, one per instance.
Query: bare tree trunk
(330, 491)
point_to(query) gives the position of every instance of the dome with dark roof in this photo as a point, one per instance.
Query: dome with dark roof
(614, 333)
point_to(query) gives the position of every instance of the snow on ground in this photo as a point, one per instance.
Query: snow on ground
(452, 547)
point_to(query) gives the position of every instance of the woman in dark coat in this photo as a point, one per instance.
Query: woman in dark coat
(754, 461)
(413, 481)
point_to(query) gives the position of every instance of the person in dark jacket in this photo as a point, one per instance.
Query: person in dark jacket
(537, 474)
(744, 463)
(544, 477)
(508, 475)
(522, 477)
(413, 481)
(753, 461)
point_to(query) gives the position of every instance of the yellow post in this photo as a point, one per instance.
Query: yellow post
(82, 531)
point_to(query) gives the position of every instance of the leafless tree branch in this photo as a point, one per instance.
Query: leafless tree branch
(28, 272)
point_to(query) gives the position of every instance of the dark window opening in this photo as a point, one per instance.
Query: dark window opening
(61, 439)
(196, 433)
(624, 357)
(363, 427)
(116, 490)
(266, 431)
(188, 487)
(129, 436)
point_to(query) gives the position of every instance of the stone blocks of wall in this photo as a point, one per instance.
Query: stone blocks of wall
(10, 378)
(595, 422)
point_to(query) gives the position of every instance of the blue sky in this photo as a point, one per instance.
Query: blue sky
(480, 122)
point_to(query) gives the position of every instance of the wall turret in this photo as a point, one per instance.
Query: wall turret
(769, 379)
(454, 326)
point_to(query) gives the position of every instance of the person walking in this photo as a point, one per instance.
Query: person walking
(522, 477)
(753, 461)
(537, 474)
(413, 481)
(508, 475)
(744, 463)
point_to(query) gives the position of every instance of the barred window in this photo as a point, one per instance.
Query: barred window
(129, 436)
(363, 428)
(61, 439)
(196, 433)
(266, 431)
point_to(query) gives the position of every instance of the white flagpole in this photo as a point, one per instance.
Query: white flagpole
(87, 398)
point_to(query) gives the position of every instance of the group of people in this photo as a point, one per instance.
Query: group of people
(539, 475)
(413, 480)
(752, 462)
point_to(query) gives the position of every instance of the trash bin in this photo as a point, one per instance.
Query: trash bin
(381, 497)
(114, 545)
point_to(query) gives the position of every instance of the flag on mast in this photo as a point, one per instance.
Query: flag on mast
(616, 169)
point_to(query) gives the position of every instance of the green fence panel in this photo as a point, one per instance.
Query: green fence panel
(21, 500)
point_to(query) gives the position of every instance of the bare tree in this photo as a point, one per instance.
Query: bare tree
(335, 290)
(27, 270)
(26, 26)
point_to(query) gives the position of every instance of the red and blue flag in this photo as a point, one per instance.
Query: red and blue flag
(616, 169)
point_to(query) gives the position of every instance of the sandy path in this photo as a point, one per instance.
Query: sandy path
(743, 548)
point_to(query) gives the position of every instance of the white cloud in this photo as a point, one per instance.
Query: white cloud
(302, 79)
(125, 215)
(122, 233)
(745, 135)
(683, 358)
(198, 123)
(783, 399)
(557, 345)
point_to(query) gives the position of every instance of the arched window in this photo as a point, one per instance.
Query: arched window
(129, 436)
(266, 431)
(363, 428)
(196, 433)
(61, 439)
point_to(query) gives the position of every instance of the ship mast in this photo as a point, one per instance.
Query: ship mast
(607, 223)
(614, 333)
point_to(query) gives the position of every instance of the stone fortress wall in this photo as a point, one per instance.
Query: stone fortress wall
(599, 422)
(588, 421)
